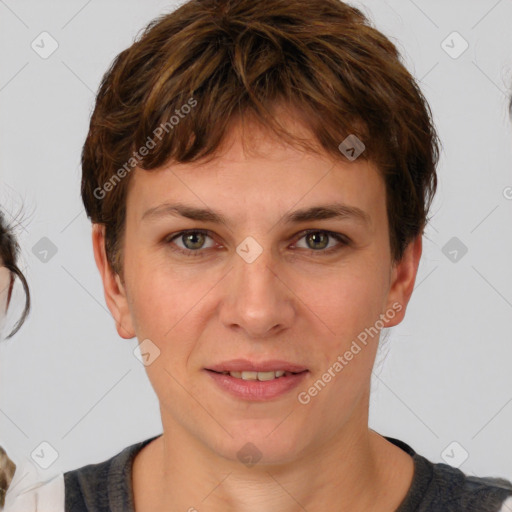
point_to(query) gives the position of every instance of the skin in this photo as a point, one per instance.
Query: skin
(291, 303)
(6, 285)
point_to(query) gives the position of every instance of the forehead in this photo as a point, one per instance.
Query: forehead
(254, 172)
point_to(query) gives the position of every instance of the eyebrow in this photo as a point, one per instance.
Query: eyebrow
(319, 212)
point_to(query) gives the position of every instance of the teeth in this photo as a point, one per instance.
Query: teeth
(262, 376)
(249, 375)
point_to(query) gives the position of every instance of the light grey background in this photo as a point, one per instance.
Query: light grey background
(443, 375)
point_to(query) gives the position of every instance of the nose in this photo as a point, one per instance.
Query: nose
(257, 298)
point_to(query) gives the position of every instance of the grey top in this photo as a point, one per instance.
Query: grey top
(107, 486)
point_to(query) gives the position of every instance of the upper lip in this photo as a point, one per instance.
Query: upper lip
(239, 365)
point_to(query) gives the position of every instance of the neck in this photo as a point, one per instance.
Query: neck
(352, 471)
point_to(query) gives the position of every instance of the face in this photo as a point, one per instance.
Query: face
(261, 287)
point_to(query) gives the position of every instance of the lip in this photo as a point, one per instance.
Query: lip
(255, 390)
(238, 365)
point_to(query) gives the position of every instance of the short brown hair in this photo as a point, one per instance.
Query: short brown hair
(230, 58)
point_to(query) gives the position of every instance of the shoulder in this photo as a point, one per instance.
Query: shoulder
(29, 493)
(471, 493)
(103, 486)
(438, 486)
(100, 487)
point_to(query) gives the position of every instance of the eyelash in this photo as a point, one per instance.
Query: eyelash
(342, 239)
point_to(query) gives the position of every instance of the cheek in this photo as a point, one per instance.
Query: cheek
(347, 301)
(349, 304)
(167, 307)
(157, 306)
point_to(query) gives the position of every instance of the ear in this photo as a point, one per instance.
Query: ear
(115, 293)
(403, 276)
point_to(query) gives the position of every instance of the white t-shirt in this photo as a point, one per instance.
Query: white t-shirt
(30, 491)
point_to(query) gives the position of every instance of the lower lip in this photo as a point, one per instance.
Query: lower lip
(256, 390)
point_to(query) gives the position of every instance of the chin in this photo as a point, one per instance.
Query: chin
(255, 444)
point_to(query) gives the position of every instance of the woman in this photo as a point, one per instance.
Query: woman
(258, 176)
(20, 486)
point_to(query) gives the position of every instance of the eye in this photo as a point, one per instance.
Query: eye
(317, 241)
(192, 240)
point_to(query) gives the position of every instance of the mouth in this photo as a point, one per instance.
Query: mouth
(256, 382)
(247, 366)
(260, 376)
